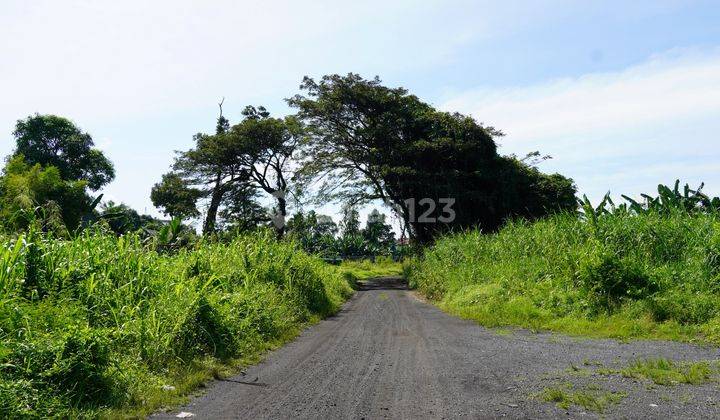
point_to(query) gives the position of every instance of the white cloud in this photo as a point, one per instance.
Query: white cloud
(669, 87)
(626, 131)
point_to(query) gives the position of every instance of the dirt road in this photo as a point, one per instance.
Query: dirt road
(389, 355)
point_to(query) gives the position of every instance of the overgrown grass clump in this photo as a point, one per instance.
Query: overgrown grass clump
(366, 269)
(595, 400)
(101, 325)
(616, 275)
(667, 372)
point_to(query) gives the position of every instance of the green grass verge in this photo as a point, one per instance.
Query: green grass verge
(102, 326)
(365, 269)
(646, 276)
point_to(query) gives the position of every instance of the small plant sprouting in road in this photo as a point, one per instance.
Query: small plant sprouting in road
(666, 372)
(577, 370)
(594, 399)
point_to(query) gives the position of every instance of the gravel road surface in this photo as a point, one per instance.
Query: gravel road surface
(387, 354)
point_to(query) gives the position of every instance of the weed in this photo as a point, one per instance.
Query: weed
(666, 372)
(590, 399)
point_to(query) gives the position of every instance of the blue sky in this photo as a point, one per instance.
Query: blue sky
(623, 96)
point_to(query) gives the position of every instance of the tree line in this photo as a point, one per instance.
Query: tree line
(351, 140)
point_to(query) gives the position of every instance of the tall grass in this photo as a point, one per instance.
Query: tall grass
(617, 275)
(365, 269)
(103, 323)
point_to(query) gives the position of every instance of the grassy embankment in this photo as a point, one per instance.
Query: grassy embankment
(621, 276)
(365, 269)
(106, 326)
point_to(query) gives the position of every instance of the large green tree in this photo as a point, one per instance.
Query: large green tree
(53, 166)
(230, 166)
(265, 147)
(50, 140)
(209, 170)
(373, 142)
(378, 233)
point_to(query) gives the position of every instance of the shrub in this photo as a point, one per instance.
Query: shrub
(203, 331)
(608, 279)
(80, 367)
(684, 306)
(712, 252)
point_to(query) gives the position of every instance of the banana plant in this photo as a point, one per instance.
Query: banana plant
(667, 200)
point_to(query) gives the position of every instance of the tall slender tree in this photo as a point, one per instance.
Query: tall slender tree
(264, 149)
(210, 170)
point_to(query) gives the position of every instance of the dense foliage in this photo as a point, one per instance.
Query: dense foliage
(48, 175)
(102, 322)
(49, 140)
(649, 272)
(319, 234)
(228, 169)
(372, 142)
(174, 197)
(29, 192)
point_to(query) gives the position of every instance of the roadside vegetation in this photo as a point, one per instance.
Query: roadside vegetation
(105, 311)
(668, 372)
(637, 270)
(592, 398)
(366, 269)
(101, 323)
(648, 372)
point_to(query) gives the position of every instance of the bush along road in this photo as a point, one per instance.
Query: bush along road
(388, 354)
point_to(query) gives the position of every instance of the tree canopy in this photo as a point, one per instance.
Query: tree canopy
(48, 175)
(264, 147)
(175, 197)
(211, 168)
(372, 142)
(50, 140)
(229, 167)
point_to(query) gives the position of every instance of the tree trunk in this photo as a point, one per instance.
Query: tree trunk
(215, 199)
(282, 210)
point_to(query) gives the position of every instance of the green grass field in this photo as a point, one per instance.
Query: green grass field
(102, 326)
(623, 276)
